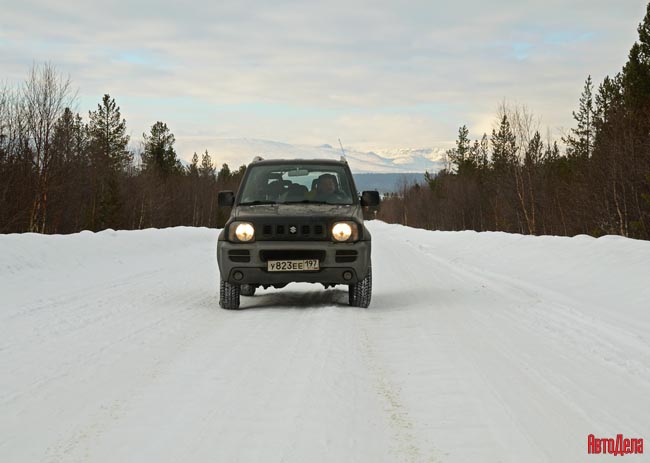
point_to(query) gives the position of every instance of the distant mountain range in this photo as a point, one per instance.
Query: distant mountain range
(238, 151)
(386, 183)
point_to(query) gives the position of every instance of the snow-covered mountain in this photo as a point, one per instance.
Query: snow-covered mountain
(238, 151)
(387, 183)
(420, 158)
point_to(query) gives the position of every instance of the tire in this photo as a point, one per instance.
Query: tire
(229, 296)
(359, 294)
(247, 290)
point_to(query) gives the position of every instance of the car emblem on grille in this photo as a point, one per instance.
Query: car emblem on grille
(293, 229)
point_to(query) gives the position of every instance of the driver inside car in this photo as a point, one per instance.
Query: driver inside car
(327, 189)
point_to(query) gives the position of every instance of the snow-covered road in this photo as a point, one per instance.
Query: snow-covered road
(476, 348)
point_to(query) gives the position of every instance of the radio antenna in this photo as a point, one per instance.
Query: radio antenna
(342, 150)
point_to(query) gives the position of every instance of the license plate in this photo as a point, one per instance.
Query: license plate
(305, 265)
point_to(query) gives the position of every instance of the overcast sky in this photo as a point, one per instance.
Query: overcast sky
(376, 74)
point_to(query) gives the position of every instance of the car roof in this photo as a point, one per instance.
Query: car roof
(266, 162)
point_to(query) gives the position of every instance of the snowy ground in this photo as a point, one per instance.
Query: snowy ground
(477, 348)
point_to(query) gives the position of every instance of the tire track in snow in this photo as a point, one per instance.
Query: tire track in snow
(562, 319)
(557, 330)
(397, 415)
(445, 328)
(111, 410)
(484, 366)
(396, 306)
(75, 359)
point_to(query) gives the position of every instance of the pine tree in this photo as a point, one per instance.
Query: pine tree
(460, 156)
(552, 153)
(580, 142)
(608, 98)
(224, 174)
(159, 155)
(535, 151)
(193, 169)
(628, 144)
(504, 146)
(107, 137)
(64, 136)
(207, 167)
(475, 154)
(80, 140)
(70, 139)
(644, 34)
(636, 79)
(484, 152)
(109, 158)
(70, 174)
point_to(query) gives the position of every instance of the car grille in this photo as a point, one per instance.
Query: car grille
(288, 231)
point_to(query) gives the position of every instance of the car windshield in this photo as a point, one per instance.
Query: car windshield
(296, 184)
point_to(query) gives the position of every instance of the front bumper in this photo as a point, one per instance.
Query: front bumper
(333, 264)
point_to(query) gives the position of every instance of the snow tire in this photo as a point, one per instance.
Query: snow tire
(359, 294)
(229, 296)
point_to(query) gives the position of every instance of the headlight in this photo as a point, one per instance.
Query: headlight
(241, 231)
(345, 231)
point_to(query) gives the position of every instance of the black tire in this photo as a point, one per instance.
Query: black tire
(359, 294)
(229, 296)
(247, 290)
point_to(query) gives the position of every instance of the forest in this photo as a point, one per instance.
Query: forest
(518, 180)
(61, 172)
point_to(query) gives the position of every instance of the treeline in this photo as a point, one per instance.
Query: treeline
(517, 180)
(61, 174)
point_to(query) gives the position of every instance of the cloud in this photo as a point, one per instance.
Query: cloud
(374, 73)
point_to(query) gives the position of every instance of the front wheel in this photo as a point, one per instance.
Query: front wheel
(229, 296)
(359, 294)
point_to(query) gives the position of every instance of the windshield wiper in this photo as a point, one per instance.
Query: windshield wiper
(255, 203)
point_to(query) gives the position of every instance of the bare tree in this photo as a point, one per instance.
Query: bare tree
(525, 127)
(46, 95)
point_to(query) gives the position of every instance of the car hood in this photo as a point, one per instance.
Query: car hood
(297, 210)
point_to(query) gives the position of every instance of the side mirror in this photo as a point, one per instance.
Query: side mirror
(226, 199)
(370, 198)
